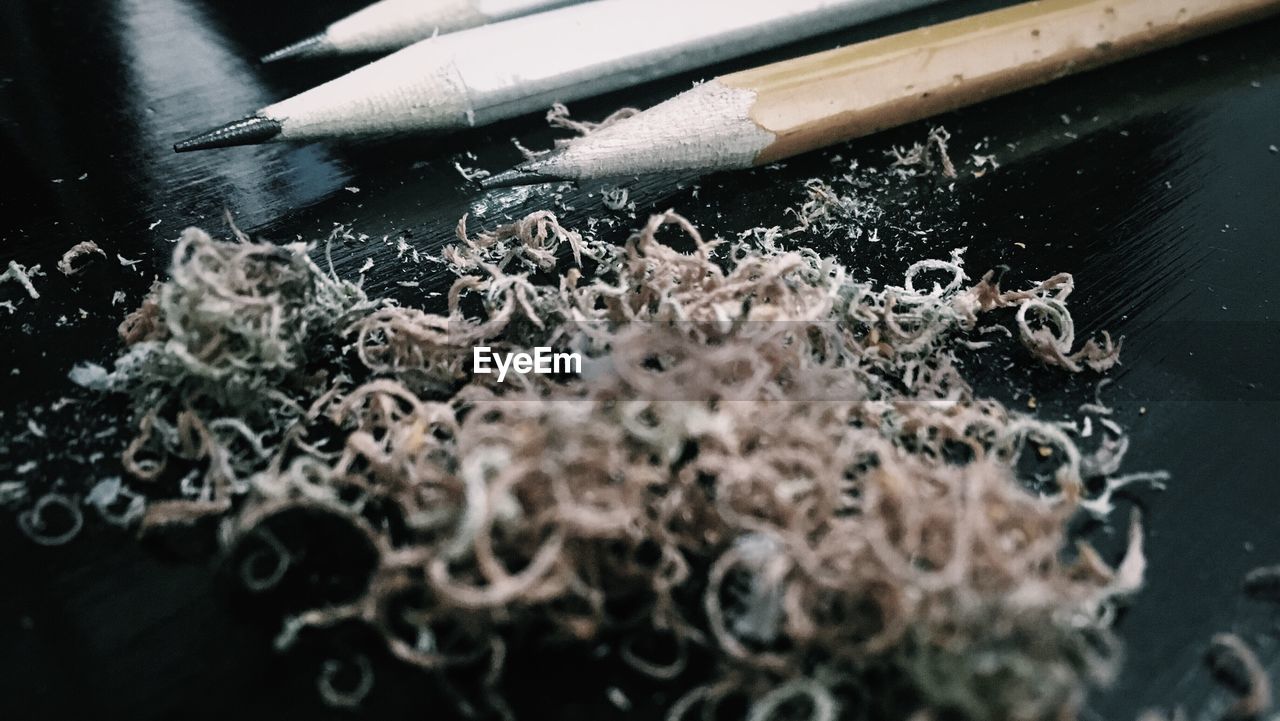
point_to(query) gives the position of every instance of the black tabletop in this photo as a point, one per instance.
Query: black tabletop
(1154, 182)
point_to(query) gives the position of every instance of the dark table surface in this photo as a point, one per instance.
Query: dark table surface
(1157, 183)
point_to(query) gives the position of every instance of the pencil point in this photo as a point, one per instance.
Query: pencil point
(310, 47)
(510, 179)
(530, 173)
(249, 131)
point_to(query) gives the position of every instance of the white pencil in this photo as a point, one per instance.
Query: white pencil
(763, 115)
(478, 76)
(393, 24)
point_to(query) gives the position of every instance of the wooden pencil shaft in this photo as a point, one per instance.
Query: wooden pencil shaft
(393, 24)
(820, 99)
(502, 9)
(497, 71)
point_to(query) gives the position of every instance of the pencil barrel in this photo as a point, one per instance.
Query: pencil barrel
(821, 99)
(606, 45)
(393, 24)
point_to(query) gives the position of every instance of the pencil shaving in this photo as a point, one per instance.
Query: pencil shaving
(1235, 666)
(78, 257)
(22, 275)
(830, 535)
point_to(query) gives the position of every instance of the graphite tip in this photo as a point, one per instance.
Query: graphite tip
(530, 173)
(308, 48)
(249, 131)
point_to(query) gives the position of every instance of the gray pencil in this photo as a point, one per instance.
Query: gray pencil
(393, 24)
(485, 74)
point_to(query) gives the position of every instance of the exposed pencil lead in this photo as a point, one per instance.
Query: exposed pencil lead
(511, 179)
(249, 131)
(310, 47)
(529, 173)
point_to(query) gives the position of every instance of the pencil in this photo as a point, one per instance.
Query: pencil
(489, 73)
(394, 24)
(766, 114)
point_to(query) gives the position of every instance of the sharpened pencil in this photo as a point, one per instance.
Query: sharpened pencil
(490, 73)
(393, 24)
(759, 116)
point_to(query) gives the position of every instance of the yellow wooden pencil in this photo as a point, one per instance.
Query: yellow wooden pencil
(765, 114)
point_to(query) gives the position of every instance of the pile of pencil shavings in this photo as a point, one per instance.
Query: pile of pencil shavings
(766, 461)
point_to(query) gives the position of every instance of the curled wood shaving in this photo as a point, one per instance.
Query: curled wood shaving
(1263, 583)
(78, 257)
(1235, 666)
(766, 458)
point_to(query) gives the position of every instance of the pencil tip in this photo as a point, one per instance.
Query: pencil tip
(530, 173)
(511, 179)
(310, 47)
(249, 131)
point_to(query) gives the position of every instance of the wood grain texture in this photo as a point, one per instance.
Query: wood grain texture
(814, 101)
